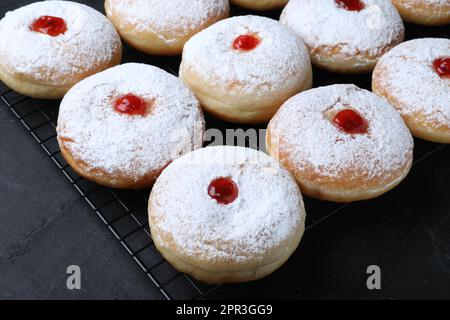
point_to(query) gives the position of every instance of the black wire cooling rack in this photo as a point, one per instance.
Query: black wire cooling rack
(125, 212)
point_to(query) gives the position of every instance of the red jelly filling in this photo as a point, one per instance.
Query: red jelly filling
(53, 26)
(246, 42)
(131, 105)
(223, 190)
(350, 5)
(351, 122)
(442, 67)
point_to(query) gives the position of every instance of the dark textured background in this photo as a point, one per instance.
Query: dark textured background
(46, 226)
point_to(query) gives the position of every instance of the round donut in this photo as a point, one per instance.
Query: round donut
(341, 143)
(346, 36)
(122, 127)
(244, 68)
(415, 78)
(226, 214)
(163, 27)
(47, 47)
(424, 12)
(260, 5)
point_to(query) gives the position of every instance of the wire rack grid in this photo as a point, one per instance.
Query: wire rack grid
(123, 212)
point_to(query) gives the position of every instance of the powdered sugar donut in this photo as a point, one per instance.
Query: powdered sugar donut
(239, 216)
(347, 36)
(49, 46)
(415, 78)
(163, 27)
(341, 143)
(260, 4)
(122, 127)
(425, 12)
(243, 68)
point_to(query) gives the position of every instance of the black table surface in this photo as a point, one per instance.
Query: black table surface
(46, 226)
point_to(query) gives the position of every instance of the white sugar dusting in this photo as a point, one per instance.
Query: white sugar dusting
(268, 209)
(131, 145)
(276, 60)
(409, 75)
(89, 41)
(177, 17)
(322, 24)
(415, 3)
(308, 137)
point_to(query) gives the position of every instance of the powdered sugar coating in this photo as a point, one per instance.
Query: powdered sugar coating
(413, 3)
(175, 17)
(323, 25)
(268, 209)
(130, 145)
(90, 41)
(408, 75)
(308, 138)
(279, 58)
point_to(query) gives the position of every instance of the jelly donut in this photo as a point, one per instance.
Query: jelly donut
(260, 4)
(47, 47)
(226, 214)
(163, 27)
(415, 78)
(347, 36)
(122, 127)
(341, 143)
(242, 69)
(424, 12)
